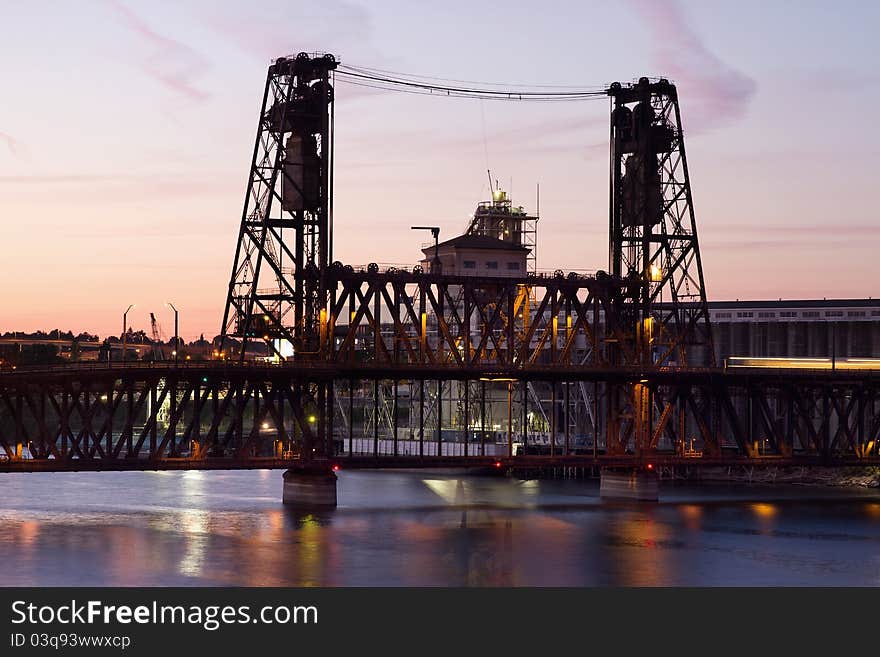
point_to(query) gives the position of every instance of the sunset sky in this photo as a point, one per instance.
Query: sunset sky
(126, 131)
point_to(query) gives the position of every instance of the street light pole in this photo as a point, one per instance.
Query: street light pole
(176, 338)
(125, 329)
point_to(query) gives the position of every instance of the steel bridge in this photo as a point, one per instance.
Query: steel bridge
(147, 416)
(407, 368)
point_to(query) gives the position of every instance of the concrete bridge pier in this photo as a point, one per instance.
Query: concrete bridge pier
(634, 484)
(310, 489)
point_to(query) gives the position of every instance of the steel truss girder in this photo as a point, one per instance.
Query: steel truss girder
(250, 416)
(458, 322)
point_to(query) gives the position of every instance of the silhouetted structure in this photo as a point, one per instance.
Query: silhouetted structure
(443, 367)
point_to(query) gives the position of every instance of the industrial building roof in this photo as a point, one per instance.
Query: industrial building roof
(476, 242)
(796, 303)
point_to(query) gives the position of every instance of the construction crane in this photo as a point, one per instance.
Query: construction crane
(158, 353)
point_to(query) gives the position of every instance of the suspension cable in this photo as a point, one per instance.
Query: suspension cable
(389, 81)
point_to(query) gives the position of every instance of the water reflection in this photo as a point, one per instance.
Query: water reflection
(229, 528)
(195, 525)
(763, 510)
(691, 515)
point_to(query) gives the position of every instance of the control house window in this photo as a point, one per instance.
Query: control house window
(492, 264)
(513, 266)
(469, 264)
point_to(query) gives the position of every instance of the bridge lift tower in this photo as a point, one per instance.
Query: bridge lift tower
(653, 246)
(278, 290)
(652, 231)
(278, 287)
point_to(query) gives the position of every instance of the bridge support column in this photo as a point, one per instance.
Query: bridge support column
(629, 484)
(310, 489)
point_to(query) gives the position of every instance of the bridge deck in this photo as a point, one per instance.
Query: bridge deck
(222, 415)
(324, 370)
(503, 464)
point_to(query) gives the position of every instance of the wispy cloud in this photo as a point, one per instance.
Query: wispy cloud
(571, 130)
(765, 244)
(126, 186)
(566, 135)
(41, 179)
(715, 92)
(172, 64)
(803, 231)
(831, 80)
(286, 28)
(12, 144)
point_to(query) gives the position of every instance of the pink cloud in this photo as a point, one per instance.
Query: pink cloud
(172, 63)
(15, 147)
(715, 93)
(42, 179)
(322, 27)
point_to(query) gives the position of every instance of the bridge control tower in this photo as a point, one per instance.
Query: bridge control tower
(501, 219)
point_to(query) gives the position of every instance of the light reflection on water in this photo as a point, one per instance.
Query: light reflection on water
(425, 528)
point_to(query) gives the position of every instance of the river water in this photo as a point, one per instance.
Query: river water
(425, 528)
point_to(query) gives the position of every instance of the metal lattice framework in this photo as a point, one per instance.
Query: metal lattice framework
(278, 288)
(653, 246)
(463, 321)
(162, 416)
(406, 368)
(653, 231)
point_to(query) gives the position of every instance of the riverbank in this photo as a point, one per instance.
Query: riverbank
(849, 477)
(841, 477)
